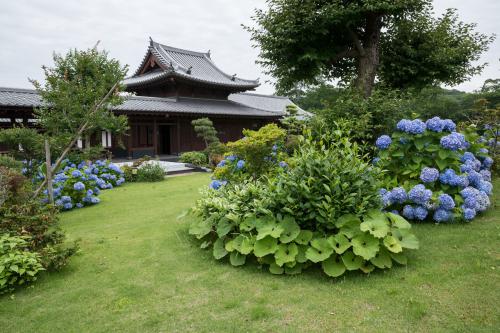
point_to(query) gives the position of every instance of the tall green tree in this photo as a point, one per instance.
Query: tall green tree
(358, 42)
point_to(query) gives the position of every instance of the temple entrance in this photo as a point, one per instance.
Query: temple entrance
(164, 140)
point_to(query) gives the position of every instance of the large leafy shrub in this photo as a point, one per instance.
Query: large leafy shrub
(150, 172)
(18, 266)
(23, 216)
(434, 172)
(324, 209)
(196, 158)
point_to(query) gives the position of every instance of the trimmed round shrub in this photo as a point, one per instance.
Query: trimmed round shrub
(325, 210)
(434, 173)
(151, 172)
(196, 158)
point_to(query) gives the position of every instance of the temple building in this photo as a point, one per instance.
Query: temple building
(170, 88)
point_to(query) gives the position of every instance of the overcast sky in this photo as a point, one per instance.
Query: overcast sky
(31, 30)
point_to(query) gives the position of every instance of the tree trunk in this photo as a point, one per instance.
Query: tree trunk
(48, 176)
(369, 61)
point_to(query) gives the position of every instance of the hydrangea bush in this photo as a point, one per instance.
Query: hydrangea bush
(434, 172)
(325, 211)
(78, 185)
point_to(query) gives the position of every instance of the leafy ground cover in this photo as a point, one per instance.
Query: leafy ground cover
(140, 271)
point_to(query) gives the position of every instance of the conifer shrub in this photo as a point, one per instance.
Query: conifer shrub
(433, 172)
(322, 209)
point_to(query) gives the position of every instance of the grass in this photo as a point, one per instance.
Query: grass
(139, 271)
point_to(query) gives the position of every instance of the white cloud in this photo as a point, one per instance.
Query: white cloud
(31, 30)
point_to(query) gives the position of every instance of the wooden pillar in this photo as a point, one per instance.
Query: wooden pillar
(178, 136)
(155, 136)
(129, 139)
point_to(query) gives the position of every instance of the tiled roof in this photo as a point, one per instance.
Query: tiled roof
(189, 65)
(144, 104)
(266, 102)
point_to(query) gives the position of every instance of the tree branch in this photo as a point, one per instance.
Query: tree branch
(347, 53)
(356, 41)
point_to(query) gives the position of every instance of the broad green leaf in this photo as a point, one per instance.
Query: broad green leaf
(247, 244)
(398, 221)
(340, 243)
(345, 219)
(350, 227)
(392, 244)
(400, 258)
(376, 224)
(297, 269)
(420, 143)
(272, 229)
(219, 251)
(365, 245)
(320, 250)
(286, 253)
(304, 237)
(443, 154)
(406, 238)
(275, 269)
(366, 267)
(237, 259)
(229, 246)
(351, 261)
(301, 255)
(290, 229)
(333, 266)
(203, 245)
(248, 223)
(200, 229)
(265, 246)
(442, 164)
(223, 227)
(382, 259)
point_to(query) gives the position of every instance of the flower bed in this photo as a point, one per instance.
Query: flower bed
(434, 173)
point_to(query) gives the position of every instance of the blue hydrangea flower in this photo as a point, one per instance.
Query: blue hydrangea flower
(488, 162)
(398, 195)
(221, 163)
(446, 201)
(375, 160)
(483, 202)
(470, 202)
(403, 125)
(469, 214)
(435, 124)
(231, 158)
(442, 215)
(417, 126)
(453, 141)
(485, 187)
(58, 202)
(446, 177)
(383, 142)
(408, 212)
(486, 175)
(79, 186)
(484, 150)
(120, 181)
(429, 175)
(467, 156)
(67, 205)
(215, 184)
(240, 165)
(395, 211)
(459, 180)
(420, 213)
(79, 205)
(385, 196)
(283, 164)
(95, 200)
(115, 168)
(76, 173)
(65, 199)
(474, 178)
(275, 148)
(419, 194)
(449, 125)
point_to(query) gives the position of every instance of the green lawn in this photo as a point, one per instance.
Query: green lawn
(139, 271)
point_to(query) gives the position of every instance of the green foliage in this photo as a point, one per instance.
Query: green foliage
(9, 162)
(23, 216)
(17, 265)
(256, 147)
(29, 139)
(205, 129)
(323, 210)
(73, 87)
(196, 158)
(151, 172)
(306, 43)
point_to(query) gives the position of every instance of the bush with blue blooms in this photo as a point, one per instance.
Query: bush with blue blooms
(78, 185)
(433, 172)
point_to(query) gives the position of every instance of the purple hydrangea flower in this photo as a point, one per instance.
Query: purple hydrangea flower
(420, 213)
(446, 201)
(429, 175)
(383, 142)
(240, 165)
(408, 212)
(79, 186)
(398, 195)
(419, 194)
(442, 215)
(453, 141)
(435, 124)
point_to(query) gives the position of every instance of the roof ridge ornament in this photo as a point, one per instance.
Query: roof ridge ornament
(151, 41)
(208, 53)
(189, 70)
(233, 78)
